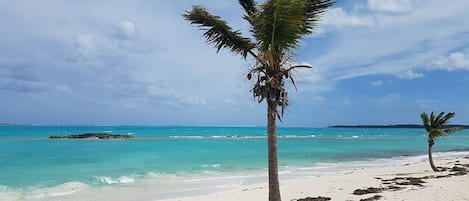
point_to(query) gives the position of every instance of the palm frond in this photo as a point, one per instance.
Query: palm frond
(218, 32)
(432, 119)
(436, 126)
(280, 24)
(453, 129)
(438, 118)
(283, 22)
(444, 120)
(249, 7)
(426, 122)
(314, 11)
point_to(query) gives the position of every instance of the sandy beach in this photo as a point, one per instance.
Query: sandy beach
(415, 181)
(412, 180)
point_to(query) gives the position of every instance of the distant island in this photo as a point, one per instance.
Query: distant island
(390, 126)
(7, 124)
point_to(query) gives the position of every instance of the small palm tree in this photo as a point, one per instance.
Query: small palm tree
(276, 27)
(436, 127)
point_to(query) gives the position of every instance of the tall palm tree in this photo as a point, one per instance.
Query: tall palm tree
(436, 127)
(276, 27)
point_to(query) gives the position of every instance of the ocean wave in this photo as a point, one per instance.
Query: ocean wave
(187, 137)
(282, 136)
(236, 137)
(8, 194)
(119, 180)
(210, 165)
(296, 136)
(60, 190)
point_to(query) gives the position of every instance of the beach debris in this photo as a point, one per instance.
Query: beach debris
(315, 199)
(458, 169)
(93, 136)
(376, 197)
(442, 169)
(404, 181)
(398, 183)
(368, 190)
(395, 188)
(412, 181)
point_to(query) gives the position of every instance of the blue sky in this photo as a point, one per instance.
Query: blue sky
(139, 63)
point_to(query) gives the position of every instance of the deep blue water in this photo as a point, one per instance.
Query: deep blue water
(29, 159)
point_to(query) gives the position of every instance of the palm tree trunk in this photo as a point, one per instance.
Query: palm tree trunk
(430, 158)
(274, 190)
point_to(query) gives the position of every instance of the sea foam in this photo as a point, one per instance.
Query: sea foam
(119, 180)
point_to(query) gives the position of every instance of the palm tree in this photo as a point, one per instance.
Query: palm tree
(276, 27)
(436, 127)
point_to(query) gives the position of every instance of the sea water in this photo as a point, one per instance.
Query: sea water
(176, 157)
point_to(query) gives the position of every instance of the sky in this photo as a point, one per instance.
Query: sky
(119, 62)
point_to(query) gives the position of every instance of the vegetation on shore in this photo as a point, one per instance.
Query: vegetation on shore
(437, 127)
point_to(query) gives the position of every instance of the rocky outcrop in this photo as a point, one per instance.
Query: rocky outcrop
(92, 135)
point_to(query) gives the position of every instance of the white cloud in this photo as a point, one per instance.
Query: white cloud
(228, 101)
(318, 99)
(171, 96)
(410, 75)
(18, 75)
(346, 102)
(124, 30)
(396, 44)
(338, 18)
(393, 6)
(23, 86)
(86, 44)
(454, 61)
(377, 83)
(150, 43)
(65, 89)
(390, 98)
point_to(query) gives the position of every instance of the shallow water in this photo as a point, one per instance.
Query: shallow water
(177, 157)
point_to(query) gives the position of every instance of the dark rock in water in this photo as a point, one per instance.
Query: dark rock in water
(376, 197)
(93, 135)
(368, 190)
(315, 199)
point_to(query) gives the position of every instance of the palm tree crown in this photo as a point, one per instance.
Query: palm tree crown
(276, 27)
(437, 126)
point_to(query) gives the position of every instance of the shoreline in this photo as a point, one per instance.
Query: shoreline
(411, 181)
(223, 184)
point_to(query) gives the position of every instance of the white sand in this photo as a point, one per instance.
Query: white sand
(340, 186)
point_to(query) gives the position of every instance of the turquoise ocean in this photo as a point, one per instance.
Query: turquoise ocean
(171, 157)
